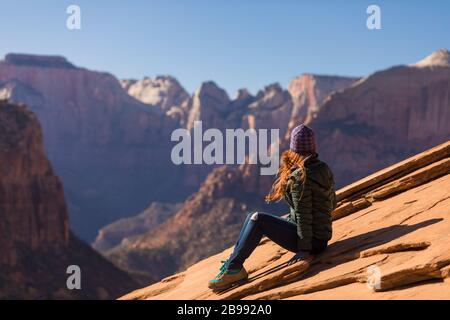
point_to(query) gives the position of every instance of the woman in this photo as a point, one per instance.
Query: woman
(307, 185)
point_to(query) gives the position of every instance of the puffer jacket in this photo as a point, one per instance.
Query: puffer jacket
(311, 201)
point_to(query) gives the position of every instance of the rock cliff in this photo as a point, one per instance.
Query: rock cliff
(36, 243)
(309, 92)
(162, 91)
(108, 148)
(33, 211)
(384, 117)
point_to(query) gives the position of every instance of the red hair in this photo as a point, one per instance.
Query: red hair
(289, 160)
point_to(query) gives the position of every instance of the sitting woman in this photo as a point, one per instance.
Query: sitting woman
(307, 185)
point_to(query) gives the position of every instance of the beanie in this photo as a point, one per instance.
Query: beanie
(303, 140)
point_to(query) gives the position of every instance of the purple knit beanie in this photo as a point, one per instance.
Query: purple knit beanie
(303, 140)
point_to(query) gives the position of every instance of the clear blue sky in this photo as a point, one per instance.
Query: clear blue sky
(236, 43)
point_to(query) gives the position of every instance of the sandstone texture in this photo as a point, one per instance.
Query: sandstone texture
(390, 241)
(31, 195)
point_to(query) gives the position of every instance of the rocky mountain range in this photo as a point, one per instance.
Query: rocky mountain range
(385, 117)
(109, 141)
(108, 148)
(36, 243)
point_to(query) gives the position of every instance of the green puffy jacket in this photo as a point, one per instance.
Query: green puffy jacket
(311, 201)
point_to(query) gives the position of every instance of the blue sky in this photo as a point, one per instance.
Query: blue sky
(236, 43)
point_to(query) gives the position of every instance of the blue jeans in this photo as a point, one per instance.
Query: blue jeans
(279, 230)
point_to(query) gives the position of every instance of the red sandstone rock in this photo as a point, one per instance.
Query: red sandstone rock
(383, 118)
(36, 244)
(32, 207)
(309, 92)
(162, 91)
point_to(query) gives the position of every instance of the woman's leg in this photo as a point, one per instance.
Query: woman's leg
(279, 230)
(244, 226)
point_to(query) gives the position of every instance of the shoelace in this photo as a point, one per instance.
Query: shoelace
(223, 268)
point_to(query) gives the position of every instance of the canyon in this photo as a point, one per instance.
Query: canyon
(373, 123)
(36, 242)
(107, 147)
(109, 142)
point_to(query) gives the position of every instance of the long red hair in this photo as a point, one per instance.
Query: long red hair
(289, 160)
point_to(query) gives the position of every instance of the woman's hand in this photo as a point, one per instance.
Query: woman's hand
(299, 256)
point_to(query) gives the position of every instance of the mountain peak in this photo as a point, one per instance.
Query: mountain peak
(211, 89)
(242, 93)
(163, 90)
(439, 58)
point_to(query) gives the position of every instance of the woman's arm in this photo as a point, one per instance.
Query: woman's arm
(302, 200)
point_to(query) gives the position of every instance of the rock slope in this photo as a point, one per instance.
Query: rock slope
(36, 243)
(390, 241)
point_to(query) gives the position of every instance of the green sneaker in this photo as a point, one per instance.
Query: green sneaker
(227, 277)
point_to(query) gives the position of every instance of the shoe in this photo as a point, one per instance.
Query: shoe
(227, 277)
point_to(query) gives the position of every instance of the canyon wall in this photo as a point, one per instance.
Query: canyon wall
(112, 151)
(385, 117)
(36, 243)
(108, 148)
